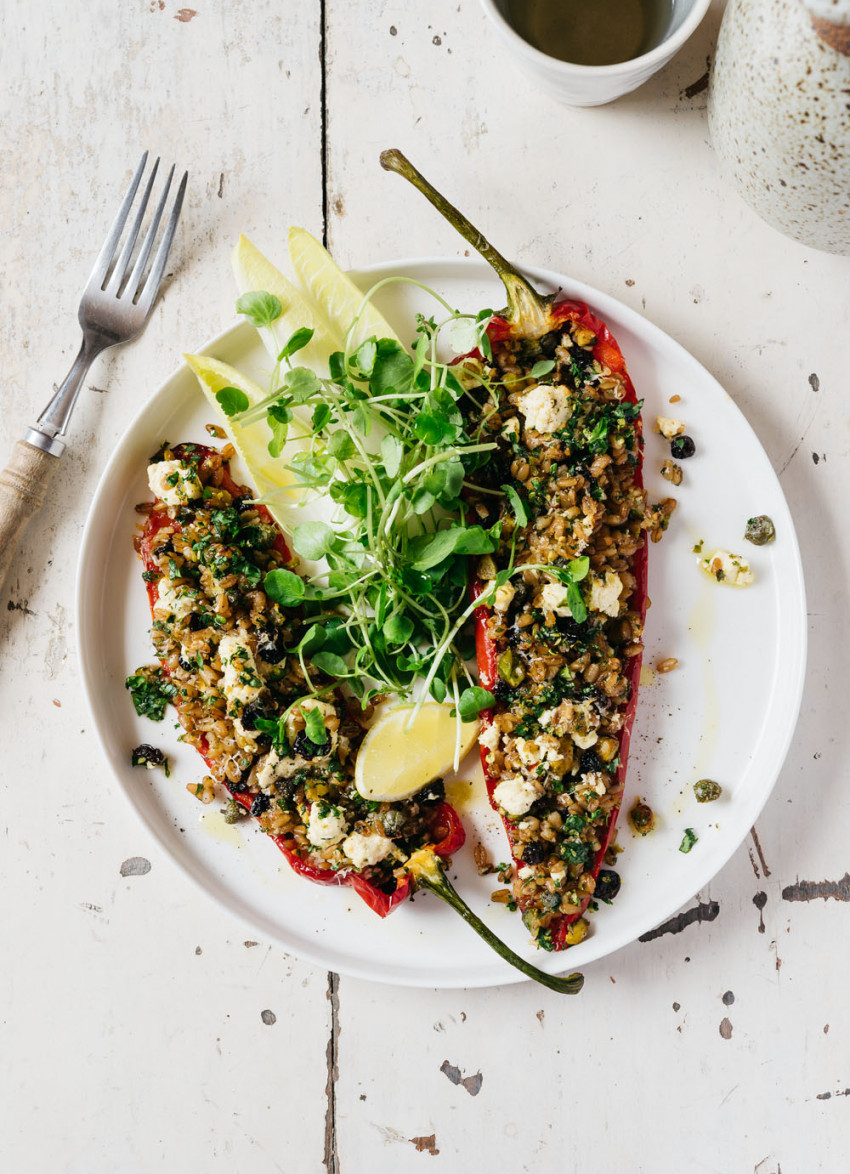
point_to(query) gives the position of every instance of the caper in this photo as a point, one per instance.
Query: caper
(232, 812)
(706, 791)
(642, 818)
(760, 530)
(394, 822)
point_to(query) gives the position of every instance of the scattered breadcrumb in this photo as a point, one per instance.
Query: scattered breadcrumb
(672, 472)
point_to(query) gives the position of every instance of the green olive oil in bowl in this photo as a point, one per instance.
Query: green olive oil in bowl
(591, 32)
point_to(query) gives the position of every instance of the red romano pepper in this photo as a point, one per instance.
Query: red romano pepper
(445, 826)
(531, 315)
(608, 352)
(425, 867)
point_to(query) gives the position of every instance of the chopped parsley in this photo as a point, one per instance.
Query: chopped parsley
(151, 692)
(688, 840)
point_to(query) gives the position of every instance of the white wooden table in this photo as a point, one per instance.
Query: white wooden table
(140, 1029)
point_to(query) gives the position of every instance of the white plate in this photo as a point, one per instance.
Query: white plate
(727, 713)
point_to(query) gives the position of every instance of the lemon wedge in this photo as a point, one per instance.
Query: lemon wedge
(333, 290)
(394, 762)
(253, 271)
(250, 441)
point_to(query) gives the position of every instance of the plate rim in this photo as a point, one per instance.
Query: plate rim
(796, 639)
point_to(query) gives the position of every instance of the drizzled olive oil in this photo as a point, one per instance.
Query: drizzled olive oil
(591, 32)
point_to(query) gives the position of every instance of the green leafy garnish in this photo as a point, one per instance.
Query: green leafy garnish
(571, 575)
(472, 701)
(151, 691)
(313, 540)
(517, 505)
(260, 307)
(284, 587)
(297, 342)
(688, 840)
(541, 368)
(383, 437)
(314, 726)
(232, 400)
(275, 728)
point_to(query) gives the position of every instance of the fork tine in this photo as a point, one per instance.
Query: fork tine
(151, 286)
(134, 284)
(122, 265)
(105, 255)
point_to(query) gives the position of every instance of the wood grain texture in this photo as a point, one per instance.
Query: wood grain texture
(23, 484)
(134, 1032)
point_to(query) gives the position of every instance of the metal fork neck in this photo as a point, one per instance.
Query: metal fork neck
(53, 421)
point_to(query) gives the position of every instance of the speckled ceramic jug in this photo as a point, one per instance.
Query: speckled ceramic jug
(779, 114)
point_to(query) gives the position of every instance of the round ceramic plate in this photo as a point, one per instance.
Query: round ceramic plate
(727, 712)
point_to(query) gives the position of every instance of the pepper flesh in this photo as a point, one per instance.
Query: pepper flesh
(445, 825)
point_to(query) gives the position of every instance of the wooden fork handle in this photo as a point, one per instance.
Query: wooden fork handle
(23, 484)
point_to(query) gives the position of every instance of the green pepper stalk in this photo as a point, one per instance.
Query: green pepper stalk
(425, 870)
(526, 309)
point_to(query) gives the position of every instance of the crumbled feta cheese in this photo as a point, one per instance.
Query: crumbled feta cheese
(525, 872)
(489, 737)
(668, 428)
(326, 825)
(527, 751)
(580, 720)
(583, 724)
(515, 794)
(174, 482)
(365, 850)
(176, 601)
(585, 741)
(605, 594)
(503, 597)
(553, 598)
(546, 408)
(549, 747)
(544, 748)
(275, 768)
(597, 781)
(731, 569)
(240, 681)
(510, 429)
(558, 873)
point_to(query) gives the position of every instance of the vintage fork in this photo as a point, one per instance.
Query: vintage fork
(114, 308)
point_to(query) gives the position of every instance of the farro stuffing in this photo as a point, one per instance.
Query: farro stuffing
(554, 746)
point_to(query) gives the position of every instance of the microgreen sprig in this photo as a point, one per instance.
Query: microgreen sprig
(385, 437)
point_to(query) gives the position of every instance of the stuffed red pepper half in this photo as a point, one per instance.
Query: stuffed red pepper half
(277, 733)
(563, 600)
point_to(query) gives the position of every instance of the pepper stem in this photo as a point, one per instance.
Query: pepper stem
(425, 869)
(527, 309)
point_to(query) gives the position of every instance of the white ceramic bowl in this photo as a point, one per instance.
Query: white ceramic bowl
(594, 85)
